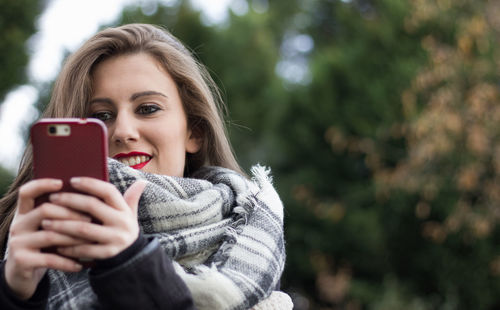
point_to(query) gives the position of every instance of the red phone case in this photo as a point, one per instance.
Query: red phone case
(83, 152)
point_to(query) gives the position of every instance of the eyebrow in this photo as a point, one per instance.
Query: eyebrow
(132, 98)
(146, 93)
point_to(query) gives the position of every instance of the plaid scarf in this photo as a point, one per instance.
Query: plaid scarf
(223, 231)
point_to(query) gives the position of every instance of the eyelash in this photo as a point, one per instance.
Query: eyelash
(102, 115)
(107, 115)
(153, 107)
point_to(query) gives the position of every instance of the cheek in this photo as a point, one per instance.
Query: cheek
(169, 140)
(174, 129)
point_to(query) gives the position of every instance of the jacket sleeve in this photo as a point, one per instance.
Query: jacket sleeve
(141, 277)
(9, 301)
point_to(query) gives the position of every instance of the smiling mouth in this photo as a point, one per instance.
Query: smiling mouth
(134, 161)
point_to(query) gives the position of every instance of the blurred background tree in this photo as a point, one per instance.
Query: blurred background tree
(379, 120)
(450, 126)
(17, 25)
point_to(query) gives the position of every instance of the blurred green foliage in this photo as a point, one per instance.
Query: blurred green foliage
(5, 179)
(17, 24)
(378, 118)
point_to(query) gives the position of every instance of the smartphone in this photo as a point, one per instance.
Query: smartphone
(68, 147)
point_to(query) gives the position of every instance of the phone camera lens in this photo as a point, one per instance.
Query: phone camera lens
(52, 130)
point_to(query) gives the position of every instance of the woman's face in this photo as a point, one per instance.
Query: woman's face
(139, 102)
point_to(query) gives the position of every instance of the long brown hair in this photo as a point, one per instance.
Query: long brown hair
(199, 95)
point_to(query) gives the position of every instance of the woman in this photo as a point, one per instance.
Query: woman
(167, 137)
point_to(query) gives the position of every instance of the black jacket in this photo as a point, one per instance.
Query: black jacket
(140, 277)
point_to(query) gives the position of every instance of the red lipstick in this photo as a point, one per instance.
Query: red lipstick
(121, 155)
(132, 154)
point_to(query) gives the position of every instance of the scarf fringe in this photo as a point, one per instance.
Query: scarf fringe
(260, 178)
(261, 175)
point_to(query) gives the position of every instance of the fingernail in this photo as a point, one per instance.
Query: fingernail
(75, 180)
(78, 266)
(56, 182)
(53, 197)
(46, 223)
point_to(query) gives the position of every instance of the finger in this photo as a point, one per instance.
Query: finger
(43, 239)
(89, 251)
(77, 229)
(34, 188)
(29, 259)
(133, 194)
(100, 189)
(31, 221)
(84, 203)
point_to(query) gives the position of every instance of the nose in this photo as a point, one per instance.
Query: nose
(124, 129)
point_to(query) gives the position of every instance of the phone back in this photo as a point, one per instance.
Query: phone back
(64, 148)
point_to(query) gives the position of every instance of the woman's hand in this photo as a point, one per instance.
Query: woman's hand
(117, 214)
(26, 263)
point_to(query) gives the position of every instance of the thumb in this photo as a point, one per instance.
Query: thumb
(133, 194)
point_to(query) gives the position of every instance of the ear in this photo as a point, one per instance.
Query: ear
(193, 141)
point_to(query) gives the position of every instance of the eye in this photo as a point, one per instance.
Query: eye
(102, 115)
(147, 109)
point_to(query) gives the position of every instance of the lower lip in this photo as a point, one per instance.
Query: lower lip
(141, 165)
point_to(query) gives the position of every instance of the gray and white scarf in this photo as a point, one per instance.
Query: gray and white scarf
(223, 231)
